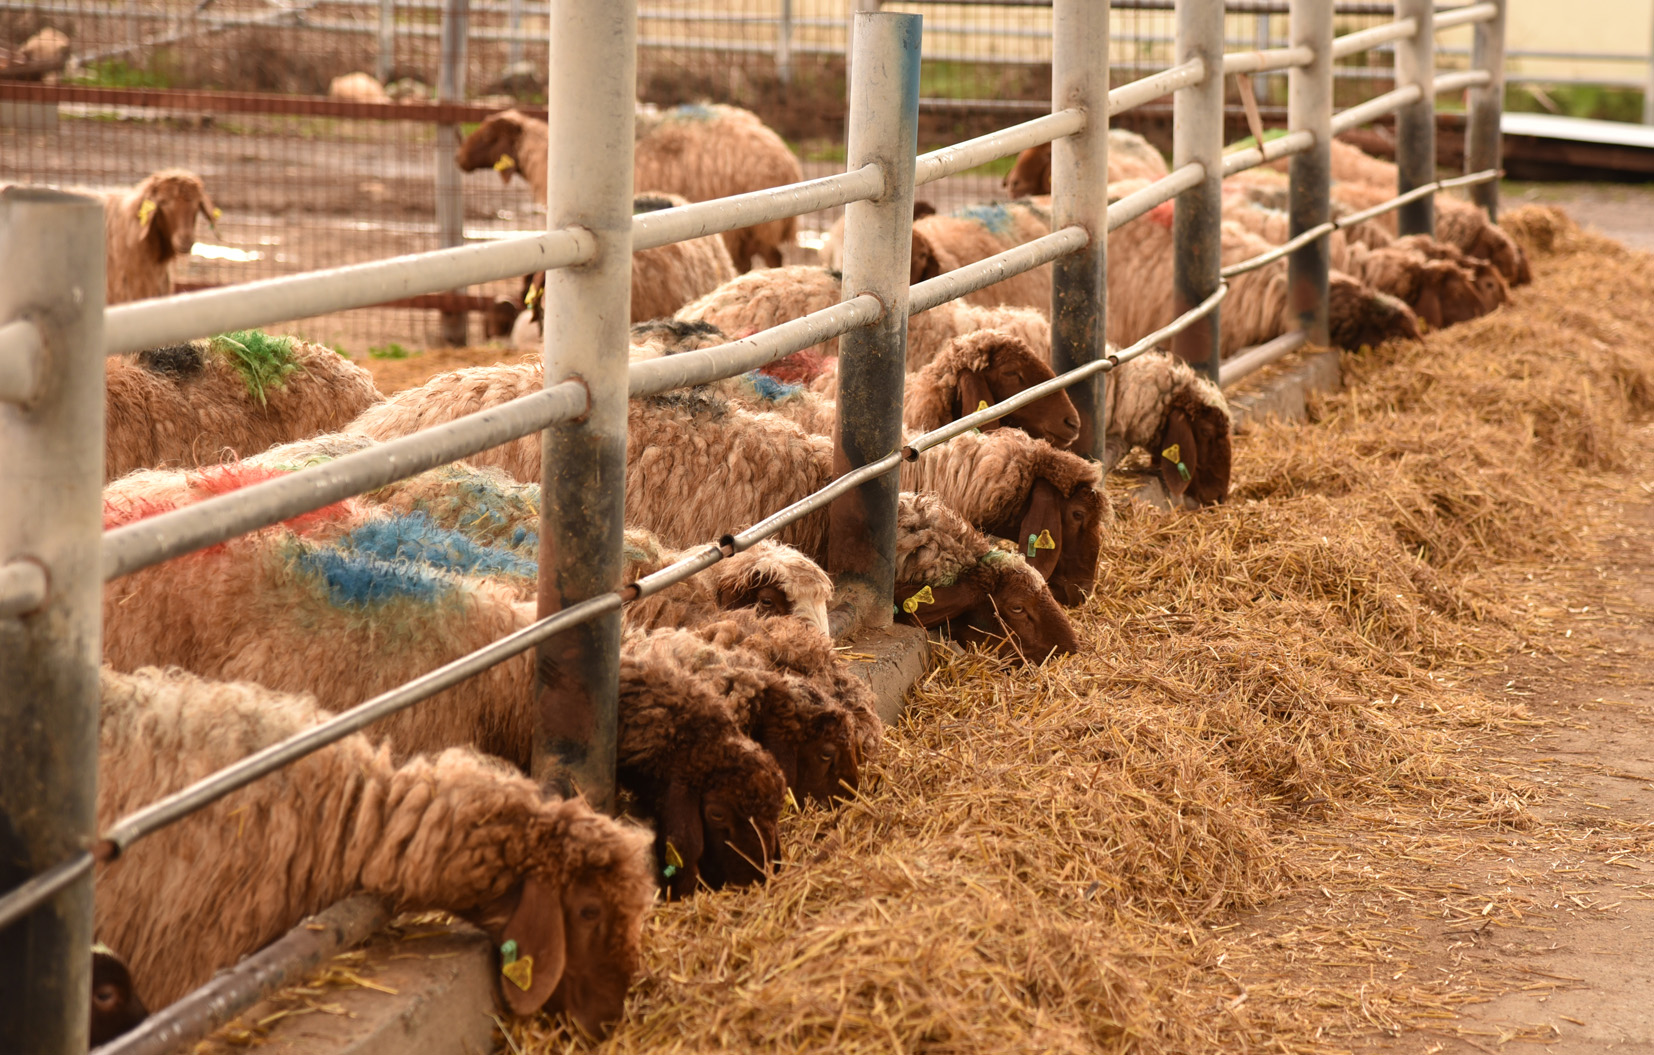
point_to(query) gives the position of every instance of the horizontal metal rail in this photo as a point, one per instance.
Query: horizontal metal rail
(1251, 157)
(947, 161)
(144, 324)
(1268, 59)
(1366, 39)
(651, 230)
(1159, 192)
(1374, 108)
(1453, 82)
(1130, 96)
(1259, 356)
(979, 274)
(1448, 17)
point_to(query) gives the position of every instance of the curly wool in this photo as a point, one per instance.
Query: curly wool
(932, 392)
(985, 477)
(703, 597)
(452, 832)
(1142, 392)
(976, 232)
(189, 405)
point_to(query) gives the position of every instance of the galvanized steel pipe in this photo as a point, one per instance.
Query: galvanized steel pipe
(1003, 143)
(52, 480)
(1309, 107)
(878, 238)
(1366, 39)
(1146, 89)
(1268, 59)
(653, 229)
(1416, 121)
(1079, 201)
(1251, 157)
(1482, 143)
(1159, 192)
(982, 273)
(1249, 361)
(591, 93)
(1464, 16)
(1197, 138)
(1374, 108)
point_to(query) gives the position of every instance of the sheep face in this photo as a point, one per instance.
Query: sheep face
(1062, 535)
(1031, 174)
(1194, 451)
(116, 1008)
(1445, 294)
(1358, 315)
(602, 954)
(166, 215)
(818, 757)
(494, 143)
(1001, 604)
(1497, 247)
(723, 827)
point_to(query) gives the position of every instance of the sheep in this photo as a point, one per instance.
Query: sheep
(187, 404)
(1157, 402)
(453, 831)
(700, 151)
(762, 299)
(292, 607)
(357, 88)
(1140, 290)
(949, 574)
(146, 227)
(664, 279)
(1130, 156)
(115, 1006)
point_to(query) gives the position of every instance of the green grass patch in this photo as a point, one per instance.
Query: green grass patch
(388, 351)
(264, 361)
(1596, 101)
(114, 73)
(1251, 141)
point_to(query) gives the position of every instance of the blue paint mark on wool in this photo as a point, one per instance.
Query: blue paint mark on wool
(994, 216)
(416, 538)
(695, 112)
(358, 581)
(769, 388)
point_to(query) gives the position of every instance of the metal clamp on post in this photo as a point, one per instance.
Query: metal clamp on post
(1079, 197)
(878, 241)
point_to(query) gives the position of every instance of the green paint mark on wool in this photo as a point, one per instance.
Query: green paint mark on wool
(264, 361)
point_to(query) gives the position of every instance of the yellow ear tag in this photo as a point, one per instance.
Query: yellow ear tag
(217, 213)
(912, 604)
(1044, 541)
(520, 972)
(982, 404)
(673, 858)
(532, 297)
(145, 211)
(1174, 453)
(506, 162)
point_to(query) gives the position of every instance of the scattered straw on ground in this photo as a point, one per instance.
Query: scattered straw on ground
(1273, 705)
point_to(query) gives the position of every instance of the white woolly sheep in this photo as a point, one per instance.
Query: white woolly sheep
(146, 227)
(456, 832)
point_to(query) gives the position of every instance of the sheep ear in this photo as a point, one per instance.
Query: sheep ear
(922, 264)
(1041, 533)
(1179, 455)
(973, 393)
(1429, 307)
(922, 209)
(933, 605)
(532, 949)
(680, 839)
(210, 211)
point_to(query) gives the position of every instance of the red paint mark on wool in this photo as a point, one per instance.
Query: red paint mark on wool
(118, 512)
(223, 479)
(798, 368)
(1162, 214)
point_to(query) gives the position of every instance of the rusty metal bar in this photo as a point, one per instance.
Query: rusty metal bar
(1079, 198)
(1416, 122)
(1309, 106)
(52, 480)
(1197, 139)
(884, 130)
(1482, 143)
(593, 71)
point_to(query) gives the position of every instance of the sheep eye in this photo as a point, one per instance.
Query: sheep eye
(1016, 609)
(590, 913)
(717, 815)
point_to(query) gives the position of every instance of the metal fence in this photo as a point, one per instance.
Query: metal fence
(55, 333)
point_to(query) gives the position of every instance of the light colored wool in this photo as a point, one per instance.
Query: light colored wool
(1130, 156)
(728, 583)
(666, 278)
(985, 477)
(145, 228)
(1141, 393)
(191, 405)
(976, 232)
(456, 832)
(357, 88)
(454, 395)
(764, 299)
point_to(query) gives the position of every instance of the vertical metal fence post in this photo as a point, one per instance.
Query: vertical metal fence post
(784, 44)
(1648, 81)
(51, 552)
(387, 40)
(878, 243)
(450, 196)
(1309, 106)
(1079, 195)
(1416, 122)
(1197, 136)
(1487, 103)
(593, 79)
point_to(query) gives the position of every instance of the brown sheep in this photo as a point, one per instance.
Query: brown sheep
(700, 151)
(1157, 402)
(454, 832)
(146, 227)
(240, 393)
(1130, 156)
(988, 367)
(116, 1007)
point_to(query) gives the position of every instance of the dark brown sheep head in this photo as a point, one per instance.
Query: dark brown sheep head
(1062, 536)
(1194, 450)
(1001, 604)
(1031, 174)
(167, 212)
(116, 1007)
(1012, 367)
(1358, 315)
(812, 739)
(1445, 294)
(1498, 248)
(724, 828)
(495, 143)
(923, 262)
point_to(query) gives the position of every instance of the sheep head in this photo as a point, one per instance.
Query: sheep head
(737, 808)
(773, 578)
(810, 737)
(1445, 294)
(1001, 603)
(169, 204)
(116, 1007)
(495, 143)
(1031, 174)
(1062, 534)
(997, 366)
(1194, 449)
(1358, 315)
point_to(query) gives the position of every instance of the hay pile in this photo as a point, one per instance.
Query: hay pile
(1055, 858)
